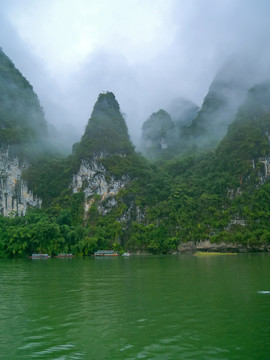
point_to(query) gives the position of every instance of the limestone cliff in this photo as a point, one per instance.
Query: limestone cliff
(15, 196)
(92, 179)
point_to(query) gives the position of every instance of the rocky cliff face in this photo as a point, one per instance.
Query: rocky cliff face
(92, 179)
(223, 247)
(15, 196)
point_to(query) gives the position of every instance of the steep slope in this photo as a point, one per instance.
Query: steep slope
(23, 132)
(22, 122)
(247, 141)
(226, 94)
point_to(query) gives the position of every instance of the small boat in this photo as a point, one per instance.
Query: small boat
(64, 255)
(106, 253)
(126, 253)
(39, 256)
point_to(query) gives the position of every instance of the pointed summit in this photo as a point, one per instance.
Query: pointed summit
(106, 105)
(106, 131)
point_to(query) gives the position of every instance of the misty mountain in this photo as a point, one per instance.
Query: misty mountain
(22, 122)
(244, 151)
(160, 135)
(223, 195)
(182, 111)
(106, 130)
(200, 129)
(105, 195)
(157, 134)
(226, 94)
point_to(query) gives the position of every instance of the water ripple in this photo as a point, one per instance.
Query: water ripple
(144, 308)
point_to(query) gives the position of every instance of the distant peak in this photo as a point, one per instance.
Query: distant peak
(107, 102)
(106, 131)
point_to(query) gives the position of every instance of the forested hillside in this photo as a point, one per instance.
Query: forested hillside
(22, 123)
(106, 195)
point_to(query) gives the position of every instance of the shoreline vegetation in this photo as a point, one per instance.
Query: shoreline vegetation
(201, 249)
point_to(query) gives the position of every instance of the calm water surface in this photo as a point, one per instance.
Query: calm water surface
(163, 307)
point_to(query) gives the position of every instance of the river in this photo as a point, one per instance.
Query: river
(141, 307)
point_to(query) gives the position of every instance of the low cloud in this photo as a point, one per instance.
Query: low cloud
(148, 53)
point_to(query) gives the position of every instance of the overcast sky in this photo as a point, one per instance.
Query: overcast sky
(148, 52)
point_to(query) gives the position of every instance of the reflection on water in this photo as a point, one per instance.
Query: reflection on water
(155, 307)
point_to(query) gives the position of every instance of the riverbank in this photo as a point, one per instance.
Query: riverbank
(207, 246)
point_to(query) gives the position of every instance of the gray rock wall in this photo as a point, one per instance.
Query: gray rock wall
(207, 246)
(15, 196)
(92, 179)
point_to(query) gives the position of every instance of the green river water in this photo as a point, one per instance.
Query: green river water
(141, 307)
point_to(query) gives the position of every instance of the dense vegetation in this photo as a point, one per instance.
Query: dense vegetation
(188, 195)
(106, 130)
(22, 123)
